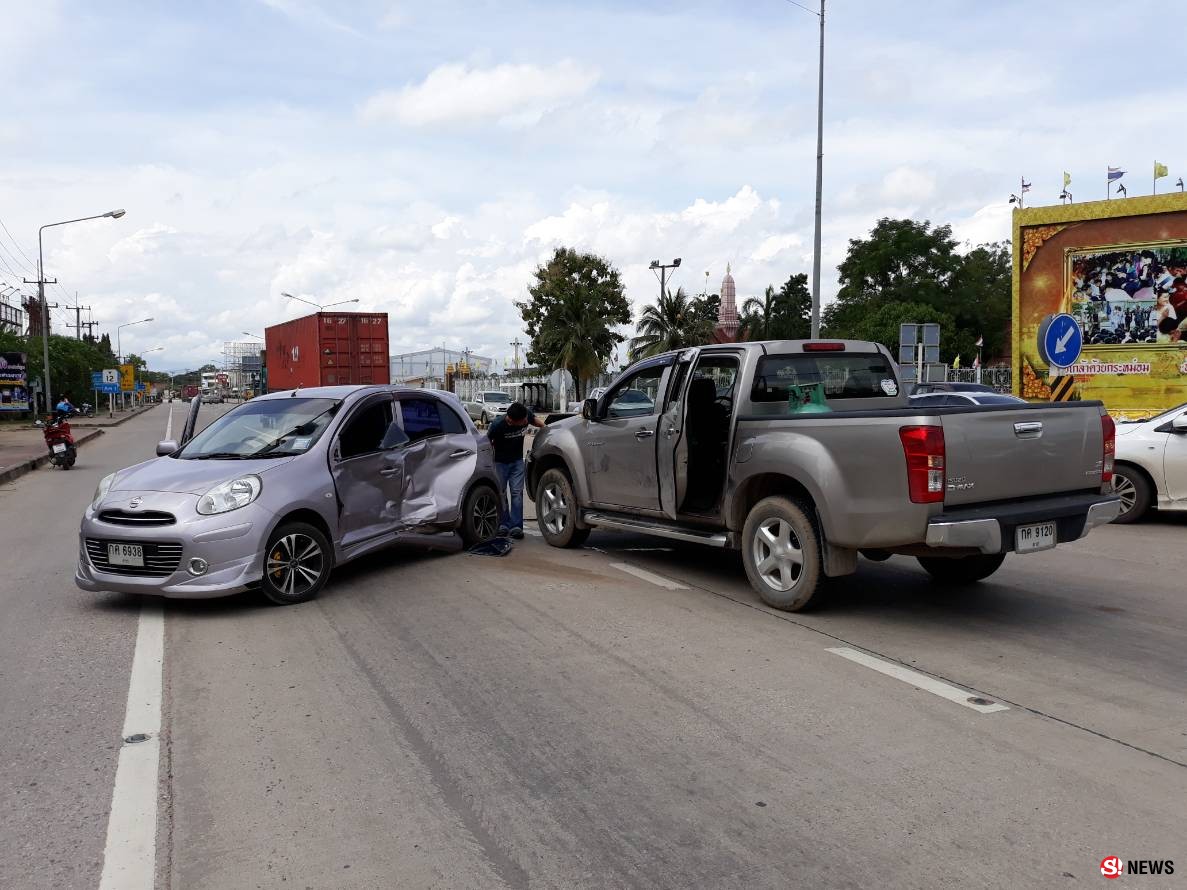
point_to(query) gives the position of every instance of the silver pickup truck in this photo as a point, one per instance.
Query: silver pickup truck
(804, 454)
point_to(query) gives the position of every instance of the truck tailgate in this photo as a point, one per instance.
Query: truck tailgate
(999, 454)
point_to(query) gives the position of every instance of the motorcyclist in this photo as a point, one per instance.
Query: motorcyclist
(64, 408)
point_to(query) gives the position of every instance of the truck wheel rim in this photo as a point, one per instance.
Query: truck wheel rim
(778, 558)
(295, 564)
(556, 509)
(1124, 488)
(486, 516)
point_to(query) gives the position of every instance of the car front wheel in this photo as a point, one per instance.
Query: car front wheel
(556, 511)
(297, 564)
(781, 552)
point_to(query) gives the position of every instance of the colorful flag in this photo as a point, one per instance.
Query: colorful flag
(977, 362)
(1115, 173)
(980, 341)
(956, 363)
(1067, 179)
(1160, 170)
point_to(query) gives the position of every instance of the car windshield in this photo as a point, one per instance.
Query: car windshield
(263, 428)
(500, 397)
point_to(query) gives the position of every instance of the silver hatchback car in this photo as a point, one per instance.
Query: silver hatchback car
(281, 489)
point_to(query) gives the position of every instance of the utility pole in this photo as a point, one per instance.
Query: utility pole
(819, 184)
(79, 324)
(663, 273)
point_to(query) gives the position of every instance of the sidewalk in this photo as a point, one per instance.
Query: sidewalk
(22, 451)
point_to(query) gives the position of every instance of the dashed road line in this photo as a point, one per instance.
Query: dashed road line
(129, 858)
(920, 681)
(650, 577)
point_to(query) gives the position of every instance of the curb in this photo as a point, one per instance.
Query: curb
(29, 466)
(89, 426)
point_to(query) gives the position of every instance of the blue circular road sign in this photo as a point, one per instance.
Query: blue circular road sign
(1060, 340)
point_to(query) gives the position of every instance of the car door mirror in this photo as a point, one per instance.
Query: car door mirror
(395, 437)
(589, 409)
(1179, 424)
(166, 447)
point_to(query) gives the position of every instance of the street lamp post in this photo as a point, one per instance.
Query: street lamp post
(320, 307)
(120, 349)
(41, 283)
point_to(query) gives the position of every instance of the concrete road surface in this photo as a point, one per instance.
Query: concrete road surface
(625, 715)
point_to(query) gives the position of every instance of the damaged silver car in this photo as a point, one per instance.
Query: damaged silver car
(275, 493)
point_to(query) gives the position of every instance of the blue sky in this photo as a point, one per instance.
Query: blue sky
(425, 157)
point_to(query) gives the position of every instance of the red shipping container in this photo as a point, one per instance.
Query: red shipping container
(328, 349)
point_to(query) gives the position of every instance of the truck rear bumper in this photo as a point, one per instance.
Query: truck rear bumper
(990, 528)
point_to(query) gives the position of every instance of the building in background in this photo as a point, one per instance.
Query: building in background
(431, 364)
(726, 330)
(12, 318)
(242, 363)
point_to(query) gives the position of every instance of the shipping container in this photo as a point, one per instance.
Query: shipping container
(328, 349)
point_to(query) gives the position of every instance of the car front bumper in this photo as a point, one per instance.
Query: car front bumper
(990, 528)
(231, 544)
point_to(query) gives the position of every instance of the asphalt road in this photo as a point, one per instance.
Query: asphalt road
(627, 715)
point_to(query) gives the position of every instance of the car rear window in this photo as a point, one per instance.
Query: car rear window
(856, 375)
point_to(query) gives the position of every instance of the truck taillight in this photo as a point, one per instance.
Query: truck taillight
(1109, 433)
(924, 449)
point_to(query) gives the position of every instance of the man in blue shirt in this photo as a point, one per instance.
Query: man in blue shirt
(507, 435)
(64, 406)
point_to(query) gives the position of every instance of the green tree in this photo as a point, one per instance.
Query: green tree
(71, 362)
(759, 316)
(784, 314)
(135, 361)
(575, 301)
(673, 322)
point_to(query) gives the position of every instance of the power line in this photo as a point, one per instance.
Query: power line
(804, 8)
(16, 243)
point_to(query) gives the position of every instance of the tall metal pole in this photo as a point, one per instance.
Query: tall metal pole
(819, 184)
(44, 319)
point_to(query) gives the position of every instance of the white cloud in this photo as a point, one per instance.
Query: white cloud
(907, 184)
(457, 93)
(775, 245)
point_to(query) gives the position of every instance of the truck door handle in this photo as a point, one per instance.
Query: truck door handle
(670, 431)
(644, 434)
(392, 471)
(1031, 430)
(460, 453)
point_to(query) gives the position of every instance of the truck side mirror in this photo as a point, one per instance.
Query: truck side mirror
(589, 409)
(166, 447)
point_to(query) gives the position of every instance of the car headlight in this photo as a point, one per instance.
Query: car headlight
(102, 489)
(230, 495)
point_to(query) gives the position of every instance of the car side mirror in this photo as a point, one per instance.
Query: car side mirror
(166, 447)
(395, 437)
(1179, 424)
(589, 409)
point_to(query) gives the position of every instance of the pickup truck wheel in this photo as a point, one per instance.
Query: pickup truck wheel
(483, 421)
(297, 564)
(1134, 491)
(963, 569)
(556, 511)
(781, 552)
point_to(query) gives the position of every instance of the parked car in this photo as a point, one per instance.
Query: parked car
(956, 399)
(488, 407)
(812, 456)
(1151, 466)
(281, 489)
(920, 388)
(211, 397)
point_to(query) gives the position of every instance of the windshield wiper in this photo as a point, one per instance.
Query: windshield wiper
(266, 451)
(266, 455)
(220, 455)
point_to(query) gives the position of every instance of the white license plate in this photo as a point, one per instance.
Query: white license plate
(59, 448)
(125, 554)
(1033, 538)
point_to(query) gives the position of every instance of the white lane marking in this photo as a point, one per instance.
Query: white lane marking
(129, 859)
(657, 580)
(169, 425)
(921, 681)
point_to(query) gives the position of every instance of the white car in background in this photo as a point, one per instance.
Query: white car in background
(487, 407)
(1151, 464)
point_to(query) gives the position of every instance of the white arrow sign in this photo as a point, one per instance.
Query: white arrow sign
(1061, 343)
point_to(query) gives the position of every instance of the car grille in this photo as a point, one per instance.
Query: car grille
(160, 560)
(137, 519)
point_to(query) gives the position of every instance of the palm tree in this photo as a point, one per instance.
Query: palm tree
(672, 323)
(759, 316)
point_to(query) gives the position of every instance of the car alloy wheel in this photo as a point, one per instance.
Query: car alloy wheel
(778, 558)
(486, 514)
(1124, 488)
(554, 509)
(296, 563)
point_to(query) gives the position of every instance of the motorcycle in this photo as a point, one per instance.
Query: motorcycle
(60, 441)
(86, 409)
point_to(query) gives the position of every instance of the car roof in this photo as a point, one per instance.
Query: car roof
(345, 392)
